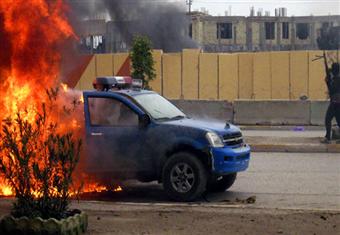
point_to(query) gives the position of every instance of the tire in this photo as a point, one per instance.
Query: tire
(222, 183)
(184, 177)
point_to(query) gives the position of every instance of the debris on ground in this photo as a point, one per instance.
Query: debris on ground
(249, 200)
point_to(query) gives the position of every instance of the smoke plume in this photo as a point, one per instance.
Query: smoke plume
(164, 21)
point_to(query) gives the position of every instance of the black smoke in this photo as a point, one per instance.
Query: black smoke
(329, 38)
(165, 22)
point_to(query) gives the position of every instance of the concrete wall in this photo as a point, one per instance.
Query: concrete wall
(280, 112)
(317, 112)
(104, 64)
(231, 84)
(190, 73)
(249, 112)
(228, 84)
(156, 84)
(272, 112)
(316, 74)
(262, 76)
(298, 74)
(172, 75)
(211, 76)
(208, 78)
(89, 74)
(245, 70)
(279, 63)
(118, 61)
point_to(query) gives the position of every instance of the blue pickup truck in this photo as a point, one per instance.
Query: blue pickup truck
(138, 134)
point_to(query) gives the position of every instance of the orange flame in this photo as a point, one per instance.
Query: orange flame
(97, 188)
(64, 86)
(118, 189)
(32, 34)
(5, 190)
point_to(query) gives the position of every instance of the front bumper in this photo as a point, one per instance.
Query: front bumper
(228, 160)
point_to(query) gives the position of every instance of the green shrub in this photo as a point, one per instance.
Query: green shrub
(37, 160)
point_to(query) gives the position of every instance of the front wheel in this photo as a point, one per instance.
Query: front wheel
(222, 183)
(184, 177)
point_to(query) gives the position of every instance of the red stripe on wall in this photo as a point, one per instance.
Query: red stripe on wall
(73, 75)
(125, 68)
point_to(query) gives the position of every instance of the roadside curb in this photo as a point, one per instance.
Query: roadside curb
(297, 128)
(296, 148)
(175, 205)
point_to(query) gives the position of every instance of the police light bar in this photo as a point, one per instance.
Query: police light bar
(108, 82)
(137, 83)
(104, 83)
(122, 80)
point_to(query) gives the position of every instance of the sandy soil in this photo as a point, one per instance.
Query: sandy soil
(163, 218)
(213, 221)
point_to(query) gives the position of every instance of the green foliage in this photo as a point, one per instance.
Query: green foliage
(142, 60)
(38, 160)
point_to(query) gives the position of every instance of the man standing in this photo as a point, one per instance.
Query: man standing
(333, 85)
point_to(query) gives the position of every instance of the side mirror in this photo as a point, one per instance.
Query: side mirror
(144, 120)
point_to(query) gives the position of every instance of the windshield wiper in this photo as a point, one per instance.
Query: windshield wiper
(162, 119)
(178, 117)
(168, 118)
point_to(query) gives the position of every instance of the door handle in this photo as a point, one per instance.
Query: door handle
(96, 134)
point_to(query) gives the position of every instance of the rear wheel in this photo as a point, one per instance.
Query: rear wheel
(184, 177)
(221, 183)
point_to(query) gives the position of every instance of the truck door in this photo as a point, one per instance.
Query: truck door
(113, 137)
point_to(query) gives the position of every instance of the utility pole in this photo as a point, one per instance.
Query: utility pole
(189, 3)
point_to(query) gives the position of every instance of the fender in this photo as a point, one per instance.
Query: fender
(183, 144)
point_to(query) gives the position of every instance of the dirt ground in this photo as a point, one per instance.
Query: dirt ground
(205, 218)
(212, 221)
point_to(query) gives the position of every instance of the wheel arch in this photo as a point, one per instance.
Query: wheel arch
(203, 155)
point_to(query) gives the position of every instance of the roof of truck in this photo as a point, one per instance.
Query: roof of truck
(128, 92)
(132, 92)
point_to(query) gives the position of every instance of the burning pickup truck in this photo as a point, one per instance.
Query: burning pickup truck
(138, 134)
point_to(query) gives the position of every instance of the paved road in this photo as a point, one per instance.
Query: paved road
(278, 180)
(292, 180)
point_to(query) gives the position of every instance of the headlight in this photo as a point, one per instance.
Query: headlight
(214, 140)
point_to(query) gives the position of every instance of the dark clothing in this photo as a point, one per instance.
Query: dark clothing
(333, 85)
(332, 111)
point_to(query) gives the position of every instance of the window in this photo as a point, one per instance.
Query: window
(92, 44)
(190, 30)
(224, 30)
(325, 24)
(158, 107)
(302, 31)
(285, 30)
(270, 30)
(111, 112)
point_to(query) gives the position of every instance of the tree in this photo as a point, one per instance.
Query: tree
(142, 60)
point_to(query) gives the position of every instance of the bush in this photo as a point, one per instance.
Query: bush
(37, 160)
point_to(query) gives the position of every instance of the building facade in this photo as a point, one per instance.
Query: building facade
(219, 33)
(258, 33)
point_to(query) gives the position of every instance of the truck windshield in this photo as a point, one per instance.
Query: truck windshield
(158, 107)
